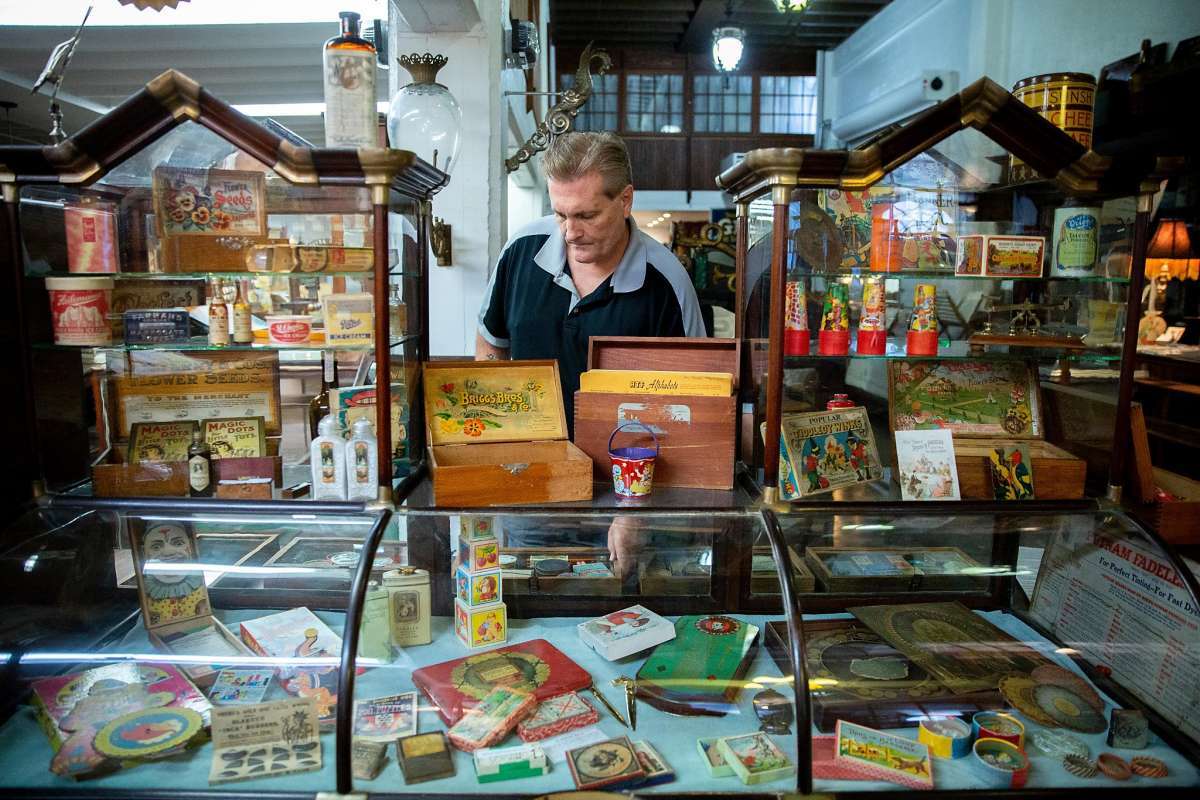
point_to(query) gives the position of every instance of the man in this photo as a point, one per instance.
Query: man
(584, 271)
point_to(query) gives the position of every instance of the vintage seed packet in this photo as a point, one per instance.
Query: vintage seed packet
(625, 632)
(893, 758)
(240, 686)
(926, 466)
(508, 763)
(755, 758)
(264, 739)
(491, 719)
(367, 758)
(160, 441)
(610, 763)
(209, 202)
(1011, 471)
(656, 767)
(384, 719)
(826, 450)
(557, 715)
(424, 757)
(236, 437)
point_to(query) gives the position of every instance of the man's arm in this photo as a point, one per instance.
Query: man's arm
(486, 351)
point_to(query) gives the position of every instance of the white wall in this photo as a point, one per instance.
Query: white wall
(473, 202)
(1005, 40)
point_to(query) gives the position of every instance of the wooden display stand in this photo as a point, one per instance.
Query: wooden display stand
(696, 435)
(497, 434)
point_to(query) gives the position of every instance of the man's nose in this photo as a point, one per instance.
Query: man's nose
(570, 229)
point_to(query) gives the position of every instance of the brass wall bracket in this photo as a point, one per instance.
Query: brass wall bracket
(561, 116)
(439, 241)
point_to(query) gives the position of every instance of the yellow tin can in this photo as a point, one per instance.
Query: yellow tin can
(1066, 99)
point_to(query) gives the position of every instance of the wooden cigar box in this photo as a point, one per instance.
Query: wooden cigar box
(696, 434)
(497, 434)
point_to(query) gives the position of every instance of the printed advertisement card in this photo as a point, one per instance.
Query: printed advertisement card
(286, 729)
(926, 466)
(892, 758)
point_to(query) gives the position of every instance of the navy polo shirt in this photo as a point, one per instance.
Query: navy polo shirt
(532, 308)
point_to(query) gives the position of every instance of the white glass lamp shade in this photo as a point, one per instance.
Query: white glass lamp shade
(426, 119)
(728, 43)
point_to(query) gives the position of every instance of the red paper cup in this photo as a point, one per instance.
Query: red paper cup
(833, 343)
(796, 343)
(922, 343)
(871, 343)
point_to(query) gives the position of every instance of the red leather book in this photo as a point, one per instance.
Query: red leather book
(536, 666)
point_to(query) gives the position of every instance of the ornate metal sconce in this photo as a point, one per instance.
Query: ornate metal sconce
(561, 115)
(439, 240)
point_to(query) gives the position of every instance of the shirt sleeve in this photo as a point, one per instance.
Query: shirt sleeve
(493, 317)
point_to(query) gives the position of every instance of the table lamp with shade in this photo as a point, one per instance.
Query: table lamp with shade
(1167, 256)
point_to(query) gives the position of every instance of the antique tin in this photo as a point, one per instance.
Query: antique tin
(1076, 242)
(408, 605)
(1065, 99)
(156, 326)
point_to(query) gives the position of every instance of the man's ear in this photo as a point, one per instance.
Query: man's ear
(626, 197)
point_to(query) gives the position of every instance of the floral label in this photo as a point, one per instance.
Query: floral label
(210, 202)
(507, 403)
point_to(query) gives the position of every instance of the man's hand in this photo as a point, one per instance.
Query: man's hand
(486, 351)
(626, 538)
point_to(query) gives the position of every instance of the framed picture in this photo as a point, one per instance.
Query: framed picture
(236, 437)
(209, 202)
(336, 552)
(979, 399)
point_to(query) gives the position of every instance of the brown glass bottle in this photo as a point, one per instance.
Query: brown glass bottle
(200, 473)
(318, 407)
(351, 117)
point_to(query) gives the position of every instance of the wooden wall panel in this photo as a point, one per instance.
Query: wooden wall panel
(659, 162)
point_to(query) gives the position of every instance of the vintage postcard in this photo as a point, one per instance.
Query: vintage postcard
(826, 450)
(384, 719)
(160, 441)
(209, 202)
(234, 686)
(236, 437)
(888, 757)
(1011, 468)
(968, 398)
(926, 466)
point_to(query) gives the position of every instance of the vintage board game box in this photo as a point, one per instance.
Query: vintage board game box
(175, 605)
(823, 451)
(498, 435)
(480, 626)
(611, 763)
(491, 718)
(276, 738)
(557, 715)
(478, 588)
(713, 761)
(1013, 256)
(298, 633)
(695, 430)
(700, 670)
(535, 666)
(755, 758)
(625, 632)
(502, 764)
(156, 326)
(656, 767)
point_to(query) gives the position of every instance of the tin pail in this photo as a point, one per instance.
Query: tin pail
(633, 467)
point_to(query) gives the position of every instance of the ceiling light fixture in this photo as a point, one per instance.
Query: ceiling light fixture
(729, 41)
(667, 215)
(787, 6)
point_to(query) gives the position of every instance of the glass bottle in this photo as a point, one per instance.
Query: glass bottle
(200, 482)
(318, 407)
(243, 329)
(362, 462)
(327, 457)
(218, 316)
(349, 67)
(423, 116)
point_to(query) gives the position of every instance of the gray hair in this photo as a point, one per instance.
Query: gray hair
(573, 155)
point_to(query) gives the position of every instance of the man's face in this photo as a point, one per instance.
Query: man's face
(592, 223)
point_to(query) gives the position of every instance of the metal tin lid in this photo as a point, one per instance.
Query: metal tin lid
(405, 576)
(1076, 77)
(549, 567)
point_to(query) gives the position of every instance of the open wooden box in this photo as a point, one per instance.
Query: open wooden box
(497, 434)
(175, 605)
(696, 434)
(118, 478)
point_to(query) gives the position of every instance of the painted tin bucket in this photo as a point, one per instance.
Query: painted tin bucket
(633, 467)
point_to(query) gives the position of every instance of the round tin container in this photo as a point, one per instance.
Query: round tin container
(79, 310)
(1066, 99)
(1000, 764)
(997, 725)
(289, 329)
(1076, 244)
(947, 738)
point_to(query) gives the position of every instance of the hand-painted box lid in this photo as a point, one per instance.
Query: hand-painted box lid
(469, 402)
(168, 595)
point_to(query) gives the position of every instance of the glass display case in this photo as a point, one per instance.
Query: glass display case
(924, 278)
(182, 267)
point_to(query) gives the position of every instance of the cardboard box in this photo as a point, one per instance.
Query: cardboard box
(1000, 256)
(1057, 475)
(477, 589)
(696, 434)
(497, 434)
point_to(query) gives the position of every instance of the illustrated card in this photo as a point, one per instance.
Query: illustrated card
(827, 450)
(925, 465)
(1011, 470)
(236, 437)
(384, 719)
(240, 686)
(969, 398)
(607, 763)
(252, 741)
(893, 758)
(160, 441)
(167, 593)
(209, 202)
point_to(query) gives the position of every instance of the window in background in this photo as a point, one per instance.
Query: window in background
(787, 104)
(599, 113)
(722, 103)
(654, 103)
